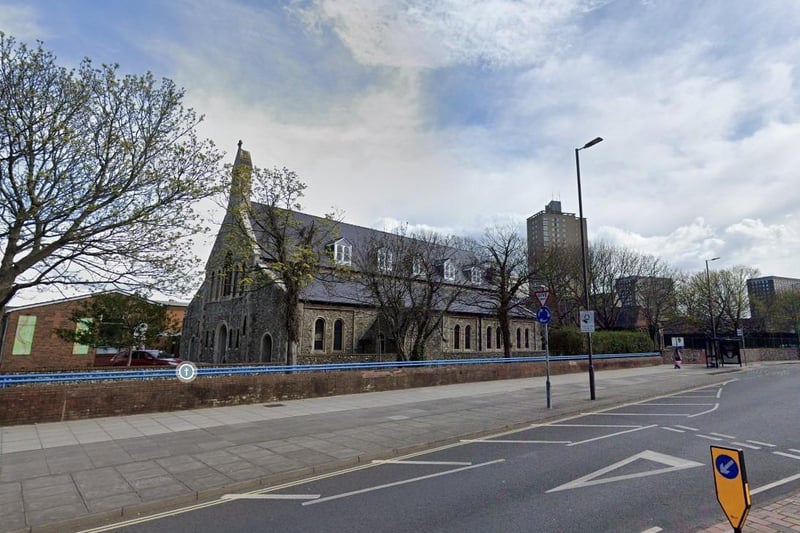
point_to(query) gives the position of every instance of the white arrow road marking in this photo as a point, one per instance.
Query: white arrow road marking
(673, 465)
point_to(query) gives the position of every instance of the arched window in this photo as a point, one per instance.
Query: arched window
(457, 338)
(527, 339)
(519, 338)
(338, 326)
(499, 338)
(319, 335)
(266, 348)
(467, 340)
(489, 338)
(228, 273)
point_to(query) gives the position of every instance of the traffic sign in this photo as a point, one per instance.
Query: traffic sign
(730, 482)
(587, 321)
(186, 372)
(543, 315)
(542, 296)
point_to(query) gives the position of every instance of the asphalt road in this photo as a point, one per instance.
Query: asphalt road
(643, 467)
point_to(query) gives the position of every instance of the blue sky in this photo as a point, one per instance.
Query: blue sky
(457, 114)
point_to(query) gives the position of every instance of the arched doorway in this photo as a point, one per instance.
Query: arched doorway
(266, 349)
(221, 344)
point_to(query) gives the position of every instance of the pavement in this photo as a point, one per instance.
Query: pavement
(69, 476)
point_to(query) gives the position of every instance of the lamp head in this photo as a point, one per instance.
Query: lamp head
(592, 142)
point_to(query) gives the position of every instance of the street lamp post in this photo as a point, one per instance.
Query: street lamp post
(583, 256)
(711, 315)
(710, 303)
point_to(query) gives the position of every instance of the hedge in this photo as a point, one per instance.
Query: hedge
(570, 341)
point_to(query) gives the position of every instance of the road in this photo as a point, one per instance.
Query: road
(642, 467)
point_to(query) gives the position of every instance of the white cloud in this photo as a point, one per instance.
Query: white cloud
(427, 34)
(21, 22)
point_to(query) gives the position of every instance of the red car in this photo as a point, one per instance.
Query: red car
(146, 358)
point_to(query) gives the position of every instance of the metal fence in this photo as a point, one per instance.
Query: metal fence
(7, 380)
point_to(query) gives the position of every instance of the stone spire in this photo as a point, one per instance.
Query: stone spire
(241, 177)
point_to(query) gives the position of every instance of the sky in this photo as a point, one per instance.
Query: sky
(458, 115)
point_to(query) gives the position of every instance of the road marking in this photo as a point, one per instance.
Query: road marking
(716, 406)
(681, 404)
(743, 445)
(518, 441)
(687, 428)
(673, 429)
(790, 456)
(595, 425)
(775, 484)
(674, 464)
(758, 443)
(652, 530)
(638, 414)
(793, 450)
(611, 435)
(269, 496)
(709, 437)
(722, 435)
(399, 462)
(399, 483)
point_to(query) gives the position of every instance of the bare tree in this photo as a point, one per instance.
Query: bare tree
(607, 264)
(98, 175)
(412, 281)
(725, 290)
(559, 269)
(504, 255)
(656, 294)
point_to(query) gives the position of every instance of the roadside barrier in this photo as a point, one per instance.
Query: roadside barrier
(7, 380)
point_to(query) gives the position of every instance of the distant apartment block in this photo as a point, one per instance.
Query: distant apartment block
(552, 228)
(763, 290)
(640, 291)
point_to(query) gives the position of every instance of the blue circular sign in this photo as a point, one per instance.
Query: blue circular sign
(543, 315)
(727, 467)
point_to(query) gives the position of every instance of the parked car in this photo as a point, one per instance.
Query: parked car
(146, 358)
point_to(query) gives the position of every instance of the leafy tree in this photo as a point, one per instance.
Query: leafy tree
(289, 247)
(503, 253)
(731, 296)
(98, 173)
(402, 276)
(726, 290)
(786, 311)
(116, 319)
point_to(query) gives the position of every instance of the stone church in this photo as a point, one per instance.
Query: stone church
(226, 323)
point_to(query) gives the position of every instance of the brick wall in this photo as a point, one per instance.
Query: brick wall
(30, 404)
(48, 351)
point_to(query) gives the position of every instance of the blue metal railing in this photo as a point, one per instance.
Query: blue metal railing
(169, 373)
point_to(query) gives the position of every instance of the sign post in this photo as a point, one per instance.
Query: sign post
(543, 316)
(730, 482)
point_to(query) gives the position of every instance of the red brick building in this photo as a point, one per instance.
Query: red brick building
(28, 339)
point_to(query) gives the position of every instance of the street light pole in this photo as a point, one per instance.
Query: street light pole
(583, 256)
(710, 303)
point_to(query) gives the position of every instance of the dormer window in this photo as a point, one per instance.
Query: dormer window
(416, 267)
(342, 252)
(449, 270)
(476, 275)
(385, 260)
